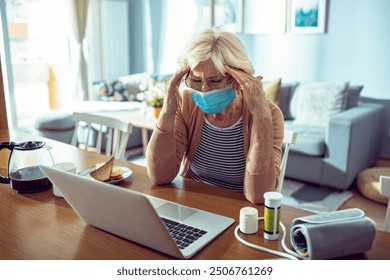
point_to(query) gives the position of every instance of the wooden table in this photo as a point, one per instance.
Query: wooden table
(42, 226)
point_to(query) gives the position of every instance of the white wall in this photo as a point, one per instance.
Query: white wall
(355, 48)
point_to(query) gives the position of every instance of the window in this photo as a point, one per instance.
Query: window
(183, 19)
(39, 56)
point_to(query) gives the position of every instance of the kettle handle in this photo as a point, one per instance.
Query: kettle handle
(10, 146)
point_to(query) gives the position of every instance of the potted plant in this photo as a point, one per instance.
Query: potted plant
(156, 99)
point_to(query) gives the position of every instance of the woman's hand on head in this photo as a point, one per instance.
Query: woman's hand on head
(171, 95)
(251, 88)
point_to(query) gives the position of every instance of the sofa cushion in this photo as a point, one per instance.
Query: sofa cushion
(318, 101)
(111, 90)
(353, 96)
(286, 94)
(310, 140)
(272, 90)
(136, 83)
(289, 99)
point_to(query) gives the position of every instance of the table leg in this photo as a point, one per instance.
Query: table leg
(145, 139)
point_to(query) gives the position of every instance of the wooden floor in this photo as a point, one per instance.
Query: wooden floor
(374, 210)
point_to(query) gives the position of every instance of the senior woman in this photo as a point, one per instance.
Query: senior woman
(220, 124)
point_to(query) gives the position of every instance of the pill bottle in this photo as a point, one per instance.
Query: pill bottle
(272, 206)
(249, 220)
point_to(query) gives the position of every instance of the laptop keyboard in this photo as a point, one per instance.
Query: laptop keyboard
(183, 234)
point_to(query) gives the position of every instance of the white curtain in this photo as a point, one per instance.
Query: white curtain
(78, 20)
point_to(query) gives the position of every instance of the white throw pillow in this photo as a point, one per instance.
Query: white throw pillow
(318, 101)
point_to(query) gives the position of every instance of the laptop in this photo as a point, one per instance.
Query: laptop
(162, 225)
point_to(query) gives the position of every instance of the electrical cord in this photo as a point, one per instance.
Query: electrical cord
(289, 253)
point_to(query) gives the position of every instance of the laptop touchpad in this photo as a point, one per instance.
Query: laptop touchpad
(175, 211)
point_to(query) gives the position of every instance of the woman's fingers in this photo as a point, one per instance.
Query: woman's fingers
(240, 76)
(174, 81)
(171, 89)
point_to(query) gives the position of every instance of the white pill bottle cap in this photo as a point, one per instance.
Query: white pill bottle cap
(273, 199)
(249, 220)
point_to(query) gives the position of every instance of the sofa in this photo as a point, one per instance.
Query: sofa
(334, 152)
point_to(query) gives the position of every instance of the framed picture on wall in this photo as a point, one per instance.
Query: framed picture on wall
(228, 14)
(308, 16)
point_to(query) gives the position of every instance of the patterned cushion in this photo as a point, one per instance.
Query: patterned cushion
(108, 90)
(317, 102)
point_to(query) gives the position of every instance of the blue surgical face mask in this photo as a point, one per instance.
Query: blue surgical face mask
(214, 101)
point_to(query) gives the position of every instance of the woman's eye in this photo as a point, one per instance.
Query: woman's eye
(216, 81)
(196, 80)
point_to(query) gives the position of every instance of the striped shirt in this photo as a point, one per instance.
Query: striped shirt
(220, 158)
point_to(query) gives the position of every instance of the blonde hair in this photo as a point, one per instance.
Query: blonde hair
(223, 48)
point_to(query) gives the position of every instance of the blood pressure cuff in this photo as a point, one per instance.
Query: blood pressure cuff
(334, 234)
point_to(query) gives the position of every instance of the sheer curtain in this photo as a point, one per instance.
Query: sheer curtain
(134, 36)
(120, 37)
(78, 10)
(183, 18)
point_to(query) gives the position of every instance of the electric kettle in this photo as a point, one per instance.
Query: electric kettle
(24, 174)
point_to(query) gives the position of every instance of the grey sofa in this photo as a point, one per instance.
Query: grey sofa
(334, 156)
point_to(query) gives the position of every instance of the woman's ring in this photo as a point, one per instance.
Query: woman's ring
(242, 87)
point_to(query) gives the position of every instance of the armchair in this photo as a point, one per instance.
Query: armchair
(335, 154)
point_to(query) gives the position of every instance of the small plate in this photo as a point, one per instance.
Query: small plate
(126, 173)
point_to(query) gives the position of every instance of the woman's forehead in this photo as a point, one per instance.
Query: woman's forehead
(205, 69)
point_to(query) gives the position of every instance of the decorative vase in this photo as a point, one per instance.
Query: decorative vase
(156, 112)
